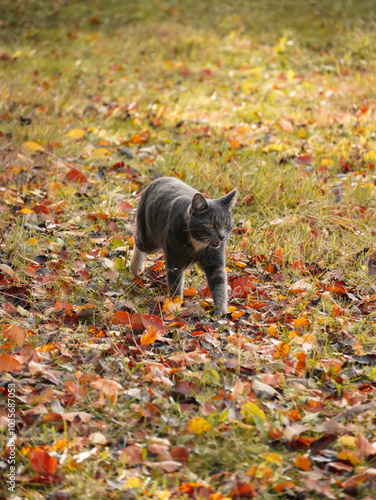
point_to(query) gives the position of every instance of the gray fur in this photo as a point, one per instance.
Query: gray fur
(173, 216)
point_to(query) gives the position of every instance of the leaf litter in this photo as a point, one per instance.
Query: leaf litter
(122, 388)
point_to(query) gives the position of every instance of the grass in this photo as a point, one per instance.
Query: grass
(275, 98)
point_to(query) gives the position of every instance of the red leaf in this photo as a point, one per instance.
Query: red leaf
(42, 462)
(154, 321)
(125, 319)
(75, 175)
(180, 453)
(244, 490)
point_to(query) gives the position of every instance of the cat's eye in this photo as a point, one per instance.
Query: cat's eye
(227, 225)
(210, 224)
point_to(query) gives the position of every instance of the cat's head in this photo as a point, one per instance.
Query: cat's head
(210, 221)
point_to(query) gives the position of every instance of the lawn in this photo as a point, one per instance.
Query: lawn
(111, 389)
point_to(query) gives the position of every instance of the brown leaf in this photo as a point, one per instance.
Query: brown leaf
(180, 454)
(80, 415)
(364, 447)
(133, 455)
(108, 386)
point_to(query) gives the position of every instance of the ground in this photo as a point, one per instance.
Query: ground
(111, 388)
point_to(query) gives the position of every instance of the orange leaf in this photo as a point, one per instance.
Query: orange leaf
(149, 337)
(235, 144)
(303, 462)
(301, 364)
(172, 304)
(272, 330)
(140, 138)
(336, 311)
(282, 351)
(42, 463)
(301, 322)
(237, 314)
(283, 485)
(9, 364)
(15, 334)
(190, 292)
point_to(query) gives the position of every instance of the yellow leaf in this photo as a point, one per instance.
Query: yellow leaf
(326, 162)
(250, 411)
(32, 241)
(276, 147)
(348, 441)
(32, 146)
(26, 211)
(231, 309)
(75, 133)
(198, 425)
(274, 458)
(172, 304)
(101, 153)
(149, 336)
(349, 456)
(133, 482)
(370, 156)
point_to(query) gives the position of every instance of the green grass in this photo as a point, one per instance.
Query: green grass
(274, 98)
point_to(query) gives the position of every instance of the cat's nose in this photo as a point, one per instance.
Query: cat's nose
(221, 236)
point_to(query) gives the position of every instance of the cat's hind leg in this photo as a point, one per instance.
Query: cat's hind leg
(137, 261)
(175, 280)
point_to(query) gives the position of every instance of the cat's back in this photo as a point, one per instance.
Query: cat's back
(167, 189)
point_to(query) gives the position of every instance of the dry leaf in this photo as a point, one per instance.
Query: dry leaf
(149, 337)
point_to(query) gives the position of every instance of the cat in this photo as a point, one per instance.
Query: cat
(190, 229)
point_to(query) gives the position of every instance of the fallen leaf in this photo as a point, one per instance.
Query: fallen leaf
(107, 386)
(172, 305)
(303, 462)
(150, 336)
(14, 333)
(32, 146)
(42, 462)
(9, 363)
(75, 133)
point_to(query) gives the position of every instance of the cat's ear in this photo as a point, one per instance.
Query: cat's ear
(199, 204)
(229, 200)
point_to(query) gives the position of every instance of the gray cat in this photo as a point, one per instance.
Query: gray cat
(189, 228)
